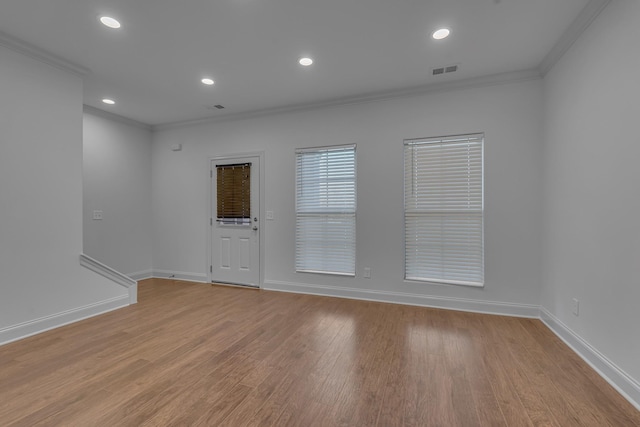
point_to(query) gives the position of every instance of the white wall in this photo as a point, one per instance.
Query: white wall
(41, 198)
(509, 114)
(592, 187)
(117, 181)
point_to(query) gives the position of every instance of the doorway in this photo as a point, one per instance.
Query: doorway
(235, 220)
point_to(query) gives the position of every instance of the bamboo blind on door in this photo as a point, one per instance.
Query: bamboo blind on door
(234, 191)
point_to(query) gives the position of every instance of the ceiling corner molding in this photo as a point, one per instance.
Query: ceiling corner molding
(41, 55)
(577, 27)
(491, 80)
(115, 117)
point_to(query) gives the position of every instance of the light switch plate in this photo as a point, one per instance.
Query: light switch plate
(575, 307)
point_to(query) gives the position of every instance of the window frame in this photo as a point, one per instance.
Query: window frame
(297, 264)
(443, 140)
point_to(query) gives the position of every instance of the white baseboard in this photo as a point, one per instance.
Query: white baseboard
(33, 327)
(133, 294)
(179, 275)
(447, 303)
(141, 275)
(620, 380)
(113, 275)
(106, 271)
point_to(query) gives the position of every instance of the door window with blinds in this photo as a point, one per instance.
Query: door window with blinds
(326, 210)
(444, 210)
(233, 194)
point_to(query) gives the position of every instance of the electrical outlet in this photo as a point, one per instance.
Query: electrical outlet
(97, 214)
(575, 306)
(366, 273)
(270, 215)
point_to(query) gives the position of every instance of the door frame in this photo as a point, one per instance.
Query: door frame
(211, 214)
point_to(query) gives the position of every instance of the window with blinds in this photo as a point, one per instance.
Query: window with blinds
(326, 210)
(444, 210)
(233, 193)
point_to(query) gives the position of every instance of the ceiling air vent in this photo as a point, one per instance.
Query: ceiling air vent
(444, 70)
(215, 107)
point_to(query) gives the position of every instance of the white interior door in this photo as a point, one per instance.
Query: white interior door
(235, 225)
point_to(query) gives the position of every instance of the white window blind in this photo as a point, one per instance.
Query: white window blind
(444, 209)
(326, 210)
(233, 194)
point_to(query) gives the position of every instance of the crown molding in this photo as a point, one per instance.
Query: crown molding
(569, 37)
(491, 80)
(115, 117)
(41, 55)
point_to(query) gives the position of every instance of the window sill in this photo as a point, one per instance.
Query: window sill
(329, 273)
(445, 282)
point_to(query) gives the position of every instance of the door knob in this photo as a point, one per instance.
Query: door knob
(255, 228)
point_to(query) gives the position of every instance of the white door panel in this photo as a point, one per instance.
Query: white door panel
(235, 236)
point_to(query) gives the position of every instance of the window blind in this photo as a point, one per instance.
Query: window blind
(444, 210)
(233, 193)
(326, 210)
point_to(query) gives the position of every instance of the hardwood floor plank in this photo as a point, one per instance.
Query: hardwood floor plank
(594, 400)
(539, 368)
(220, 408)
(395, 390)
(519, 373)
(192, 354)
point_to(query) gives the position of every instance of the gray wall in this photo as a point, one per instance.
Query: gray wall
(509, 114)
(117, 181)
(41, 195)
(592, 189)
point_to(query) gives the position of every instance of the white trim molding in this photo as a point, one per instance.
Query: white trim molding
(33, 327)
(491, 80)
(111, 274)
(447, 303)
(141, 275)
(41, 55)
(180, 275)
(620, 380)
(575, 30)
(88, 109)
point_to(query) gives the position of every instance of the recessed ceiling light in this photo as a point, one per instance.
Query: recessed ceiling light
(440, 34)
(305, 61)
(110, 22)
(207, 81)
(108, 101)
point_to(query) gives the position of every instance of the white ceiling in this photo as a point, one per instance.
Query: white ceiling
(152, 66)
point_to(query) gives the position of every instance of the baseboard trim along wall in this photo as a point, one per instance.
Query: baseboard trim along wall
(141, 275)
(623, 383)
(33, 327)
(447, 303)
(180, 275)
(111, 274)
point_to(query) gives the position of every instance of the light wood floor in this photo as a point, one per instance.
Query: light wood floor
(194, 354)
